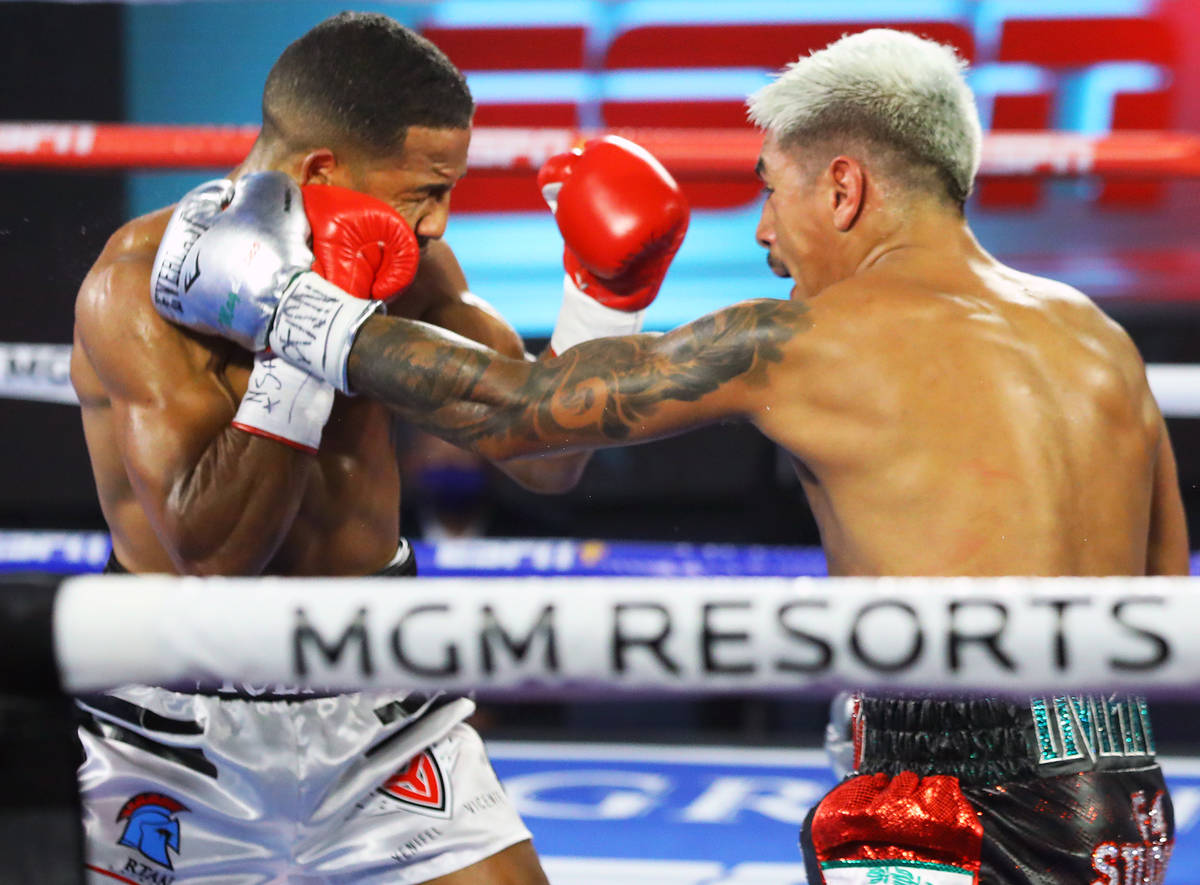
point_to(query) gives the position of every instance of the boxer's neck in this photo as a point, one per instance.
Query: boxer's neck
(943, 233)
(269, 156)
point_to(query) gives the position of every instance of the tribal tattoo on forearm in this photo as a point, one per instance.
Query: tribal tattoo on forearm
(601, 392)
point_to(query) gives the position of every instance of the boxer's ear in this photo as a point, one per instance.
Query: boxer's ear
(320, 166)
(849, 188)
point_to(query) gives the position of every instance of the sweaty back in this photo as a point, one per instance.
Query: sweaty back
(981, 421)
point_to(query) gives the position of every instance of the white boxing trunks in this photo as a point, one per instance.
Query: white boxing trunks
(181, 787)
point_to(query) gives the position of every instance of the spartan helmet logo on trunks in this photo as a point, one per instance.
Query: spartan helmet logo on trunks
(150, 827)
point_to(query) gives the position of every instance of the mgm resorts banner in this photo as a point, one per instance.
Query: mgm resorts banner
(550, 636)
(39, 372)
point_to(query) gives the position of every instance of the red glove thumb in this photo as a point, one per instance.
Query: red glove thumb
(360, 244)
(553, 173)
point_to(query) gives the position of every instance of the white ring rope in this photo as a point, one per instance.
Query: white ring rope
(585, 636)
(41, 372)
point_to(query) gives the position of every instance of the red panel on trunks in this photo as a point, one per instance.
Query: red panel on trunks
(906, 817)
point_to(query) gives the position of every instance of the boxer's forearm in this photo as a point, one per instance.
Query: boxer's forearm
(605, 392)
(439, 381)
(230, 512)
(548, 474)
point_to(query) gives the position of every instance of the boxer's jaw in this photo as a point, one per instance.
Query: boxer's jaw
(797, 292)
(795, 228)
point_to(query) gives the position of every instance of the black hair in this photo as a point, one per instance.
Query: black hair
(362, 79)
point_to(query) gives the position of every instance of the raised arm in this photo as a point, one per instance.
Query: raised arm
(622, 217)
(220, 481)
(606, 392)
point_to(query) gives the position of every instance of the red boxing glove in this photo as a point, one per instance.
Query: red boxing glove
(360, 244)
(622, 217)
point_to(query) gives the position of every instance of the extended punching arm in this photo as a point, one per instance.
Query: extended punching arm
(610, 391)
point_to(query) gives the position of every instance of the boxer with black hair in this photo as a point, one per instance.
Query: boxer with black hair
(212, 459)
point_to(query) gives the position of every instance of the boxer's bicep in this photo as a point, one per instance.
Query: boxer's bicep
(450, 305)
(165, 409)
(441, 287)
(447, 302)
(470, 316)
(162, 440)
(642, 387)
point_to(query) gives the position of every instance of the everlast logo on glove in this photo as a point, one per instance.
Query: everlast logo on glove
(259, 287)
(190, 279)
(167, 277)
(177, 261)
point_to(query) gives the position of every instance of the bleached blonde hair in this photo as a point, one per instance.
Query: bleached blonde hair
(895, 90)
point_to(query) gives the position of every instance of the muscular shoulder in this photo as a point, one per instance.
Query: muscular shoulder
(136, 240)
(127, 256)
(849, 319)
(118, 334)
(877, 299)
(1104, 356)
(760, 324)
(1083, 319)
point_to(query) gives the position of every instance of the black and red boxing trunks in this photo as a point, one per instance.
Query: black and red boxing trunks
(954, 792)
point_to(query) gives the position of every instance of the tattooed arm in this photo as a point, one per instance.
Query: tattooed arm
(449, 304)
(607, 392)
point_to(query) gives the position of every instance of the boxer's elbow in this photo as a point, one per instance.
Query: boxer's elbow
(211, 567)
(222, 562)
(523, 449)
(548, 475)
(197, 553)
(498, 449)
(206, 544)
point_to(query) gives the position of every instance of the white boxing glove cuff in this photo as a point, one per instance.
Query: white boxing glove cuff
(315, 325)
(582, 318)
(285, 403)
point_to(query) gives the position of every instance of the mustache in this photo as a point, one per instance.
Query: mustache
(777, 266)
